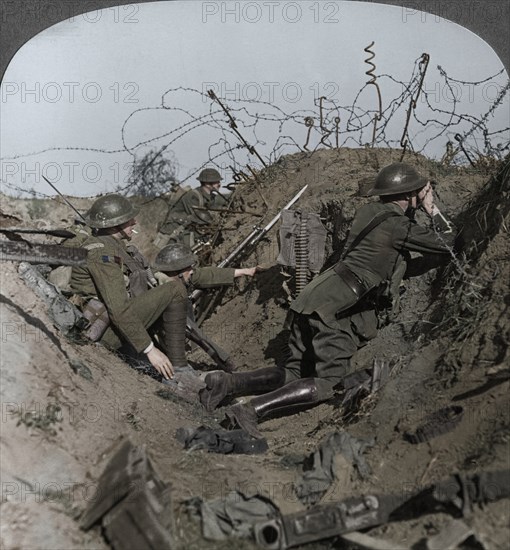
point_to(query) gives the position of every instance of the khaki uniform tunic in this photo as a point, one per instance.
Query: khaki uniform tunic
(323, 339)
(184, 220)
(105, 276)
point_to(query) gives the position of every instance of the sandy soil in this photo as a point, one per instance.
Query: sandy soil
(449, 346)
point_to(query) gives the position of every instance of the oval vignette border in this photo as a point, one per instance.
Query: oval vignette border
(17, 29)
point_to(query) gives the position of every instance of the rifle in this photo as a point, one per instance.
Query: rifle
(63, 233)
(65, 200)
(36, 253)
(218, 354)
(455, 494)
(251, 240)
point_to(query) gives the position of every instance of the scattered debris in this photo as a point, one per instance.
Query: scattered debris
(438, 423)
(79, 367)
(220, 441)
(455, 494)
(132, 503)
(453, 535)
(316, 481)
(234, 515)
(36, 253)
(65, 315)
(365, 542)
(42, 420)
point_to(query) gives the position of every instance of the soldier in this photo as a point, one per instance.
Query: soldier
(176, 263)
(188, 220)
(340, 310)
(100, 288)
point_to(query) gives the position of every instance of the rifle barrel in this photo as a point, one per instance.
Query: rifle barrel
(65, 200)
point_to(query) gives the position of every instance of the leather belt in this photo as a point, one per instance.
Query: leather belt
(350, 279)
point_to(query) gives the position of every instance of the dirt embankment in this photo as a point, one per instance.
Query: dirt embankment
(449, 346)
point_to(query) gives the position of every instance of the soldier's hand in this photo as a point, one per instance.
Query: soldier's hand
(426, 197)
(248, 271)
(161, 363)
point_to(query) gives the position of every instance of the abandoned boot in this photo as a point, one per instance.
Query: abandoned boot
(286, 399)
(243, 416)
(220, 385)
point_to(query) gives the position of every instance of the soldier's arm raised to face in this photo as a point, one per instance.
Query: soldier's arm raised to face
(411, 236)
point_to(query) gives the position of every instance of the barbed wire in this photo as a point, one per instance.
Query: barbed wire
(265, 125)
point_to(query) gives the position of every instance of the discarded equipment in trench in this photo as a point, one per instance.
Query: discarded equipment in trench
(133, 504)
(455, 495)
(302, 240)
(63, 313)
(36, 253)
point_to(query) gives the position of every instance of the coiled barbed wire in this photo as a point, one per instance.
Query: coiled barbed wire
(373, 82)
(432, 122)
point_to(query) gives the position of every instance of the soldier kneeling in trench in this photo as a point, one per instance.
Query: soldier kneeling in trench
(112, 289)
(340, 310)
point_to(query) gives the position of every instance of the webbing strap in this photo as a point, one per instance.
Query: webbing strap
(373, 223)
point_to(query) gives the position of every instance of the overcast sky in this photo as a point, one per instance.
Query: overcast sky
(75, 84)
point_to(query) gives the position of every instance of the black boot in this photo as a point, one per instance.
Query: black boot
(299, 393)
(220, 385)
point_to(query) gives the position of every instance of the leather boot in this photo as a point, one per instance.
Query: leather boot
(220, 385)
(299, 393)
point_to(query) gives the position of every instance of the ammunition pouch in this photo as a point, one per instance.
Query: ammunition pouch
(160, 240)
(351, 279)
(97, 315)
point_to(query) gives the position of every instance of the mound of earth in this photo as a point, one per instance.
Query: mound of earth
(66, 406)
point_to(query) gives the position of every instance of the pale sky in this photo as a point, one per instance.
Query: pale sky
(75, 84)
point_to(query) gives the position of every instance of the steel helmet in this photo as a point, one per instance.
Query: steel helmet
(110, 211)
(174, 257)
(209, 175)
(397, 178)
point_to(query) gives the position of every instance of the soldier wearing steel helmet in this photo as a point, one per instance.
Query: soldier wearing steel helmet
(131, 309)
(341, 310)
(177, 263)
(189, 219)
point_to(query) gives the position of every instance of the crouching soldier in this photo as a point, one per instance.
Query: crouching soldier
(340, 311)
(111, 295)
(175, 263)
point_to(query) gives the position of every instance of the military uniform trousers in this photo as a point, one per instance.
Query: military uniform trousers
(321, 350)
(148, 308)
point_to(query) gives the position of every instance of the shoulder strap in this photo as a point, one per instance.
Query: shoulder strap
(372, 224)
(200, 197)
